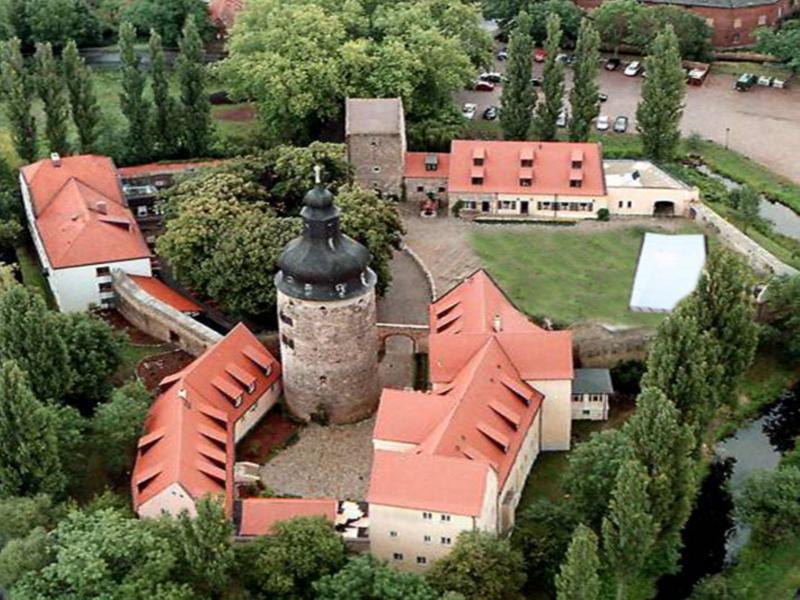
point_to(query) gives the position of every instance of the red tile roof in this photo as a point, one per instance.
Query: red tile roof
(482, 353)
(80, 214)
(260, 515)
(415, 165)
(161, 291)
(188, 434)
(223, 12)
(162, 168)
(552, 167)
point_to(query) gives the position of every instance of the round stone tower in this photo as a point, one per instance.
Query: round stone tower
(326, 318)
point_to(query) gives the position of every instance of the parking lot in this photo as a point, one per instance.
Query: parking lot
(763, 124)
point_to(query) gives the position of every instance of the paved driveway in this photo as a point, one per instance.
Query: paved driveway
(763, 124)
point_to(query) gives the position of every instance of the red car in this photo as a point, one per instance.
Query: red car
(484, 86)
(539, 55)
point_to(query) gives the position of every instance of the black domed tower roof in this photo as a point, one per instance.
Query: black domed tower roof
(323, 263)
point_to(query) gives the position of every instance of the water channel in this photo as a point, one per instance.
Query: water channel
(784, 220)
(712, 536)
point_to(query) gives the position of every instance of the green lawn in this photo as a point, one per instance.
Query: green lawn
(737, 68)
(568, 275)
(31, 271)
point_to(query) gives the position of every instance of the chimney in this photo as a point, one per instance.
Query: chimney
(497, 324)
(55, 158)
(101, 207)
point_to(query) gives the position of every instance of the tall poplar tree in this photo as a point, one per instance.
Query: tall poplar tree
(683, 364)
(29, 455)
(724, 309)
(164, 113)
(579, 577)
(50, 87)
(205, 548)
(584, 98)
(664, 447)
(82, 98)
(132, 101)
(548, 109)
(659, 112)
(195, 106)
(519, 96)
(629, 530)
(18, 94)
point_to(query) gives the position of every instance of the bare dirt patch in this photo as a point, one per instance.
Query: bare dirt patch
(274, 431)
(239, 114)
(136, 336)
(153, 369)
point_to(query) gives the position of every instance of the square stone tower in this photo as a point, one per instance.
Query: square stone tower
(375, 132)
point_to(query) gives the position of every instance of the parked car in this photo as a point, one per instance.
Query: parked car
(745, 82)
(469, 110)
(502, 54)
(764, 81)
(602, 97)
(621, 124)
(781, 83)
(537, 81)
(563, 117)
(490, 114)
(633, 68)
(539, 55)
(602, 123)
(612, 64)
(484, 86)
(491, 77)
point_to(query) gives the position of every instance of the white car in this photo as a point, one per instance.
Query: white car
(469, 110)
(633, 69)
(563, 117)
(603, 123)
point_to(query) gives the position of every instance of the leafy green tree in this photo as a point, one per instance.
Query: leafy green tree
(770, 504)
(29, 455)
(480, 565)
(82, 97)
(592, 471)
(547, 111)
(694, 35)
(195, 107)
(50, 87)
(724, 309)
(659, 112)
(542, 532)
(614, 19)
(629, 530)
(364, 578)
(518, 98)
(782, 43)
(95, 353)
(584, 98)
(683, 363)
(57, 21)
(664, 447)
(19, 515)
(747, 203)
(30, 335)
(18, 95)
(783, 300)
(167, 18)
(23, 555)
(165, 110)
(579, 578)
(117, 424)
(570, 14)
(205, 550)
(135, 107)
(302, 551)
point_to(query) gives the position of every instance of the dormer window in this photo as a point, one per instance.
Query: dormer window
(575, 183)
(431, 162)
(477, 181)
(478, 162)
(576, 158)
(526, 158)
(525, 182)
(478, 157)
(577, 164)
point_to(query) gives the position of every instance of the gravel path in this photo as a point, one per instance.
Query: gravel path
(332, 461)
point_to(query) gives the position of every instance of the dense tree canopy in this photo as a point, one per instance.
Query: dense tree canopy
(117, 424)
(365, 578)
(167, 18)
(421, 51)
(770, 503)
(782, 43)
(579, 578)
(518, 96)
(783, 299)
(547, 111)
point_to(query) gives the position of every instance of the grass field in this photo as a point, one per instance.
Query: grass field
(568, 275)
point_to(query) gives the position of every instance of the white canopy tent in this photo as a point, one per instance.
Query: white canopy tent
(668, 270)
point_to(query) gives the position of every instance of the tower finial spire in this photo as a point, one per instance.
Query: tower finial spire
(317, 174)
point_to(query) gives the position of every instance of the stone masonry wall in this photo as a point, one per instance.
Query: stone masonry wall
(159, 319)
(378, 161)
(329, 352)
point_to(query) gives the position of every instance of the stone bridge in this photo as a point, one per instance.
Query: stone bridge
(418, 334)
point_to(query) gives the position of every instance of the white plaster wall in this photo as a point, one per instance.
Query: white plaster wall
(528, 452)
(257, 411)
(643, 200)
(598, 410)
(392, 446)
(171, 500)
(556, 413)
(76, 288)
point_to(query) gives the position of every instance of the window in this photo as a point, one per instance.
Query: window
(445, 518)
(420, 188)
(446, 540)
(737, 23)
(477, 181)
(577, 164)
(586, 411)
(525, 182)
(287, 341)
(426, 539)
(393, 534)
(468, 204)
(508, 204)
(573, 206)
(710, 22)
(427, 515)
(477, 161)
(397, 556)
(421, 560)
(630, 204)
(620, 204)
(103, 271)
(762, 19)
(576, 397)
(575, 183)
(287, 319)
(526, 163)
(441, 190)
(105, 286)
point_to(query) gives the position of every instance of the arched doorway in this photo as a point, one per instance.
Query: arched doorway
(664, 208)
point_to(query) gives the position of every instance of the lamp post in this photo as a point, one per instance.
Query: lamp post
(727, 134)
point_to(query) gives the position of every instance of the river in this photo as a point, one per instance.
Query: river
(712, 536)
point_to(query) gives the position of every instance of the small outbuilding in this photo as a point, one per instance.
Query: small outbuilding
(591, 390)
